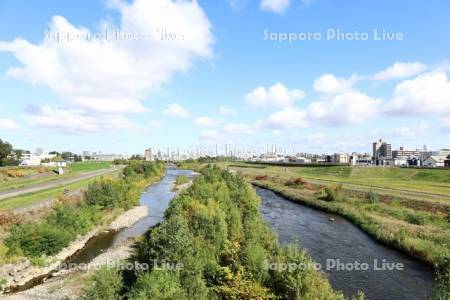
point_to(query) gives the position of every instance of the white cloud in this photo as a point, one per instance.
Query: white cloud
(74, 121)
(330, 84)
(226, 132)
(344, 109)
(114, 76)
(8, 124)
(225, 111)
(426, 94)
(400, 70)
(238, 4)
(275, 6)
(287, 118)
(176, 110)
(238, 128)
(411, 131)
(210, 135)
(277, 95)
(206, 121)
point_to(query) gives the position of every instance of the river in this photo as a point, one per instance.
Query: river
(157, 197)
(339, 240)
(343, 241)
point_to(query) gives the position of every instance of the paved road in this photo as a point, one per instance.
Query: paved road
(56, 183)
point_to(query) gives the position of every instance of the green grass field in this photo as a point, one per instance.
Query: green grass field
(31, 198)
(436, 181)
(89, 166)
(72, 170)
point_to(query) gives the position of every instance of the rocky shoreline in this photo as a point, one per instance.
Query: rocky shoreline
(17, 276)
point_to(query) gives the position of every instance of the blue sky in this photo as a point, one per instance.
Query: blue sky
(222, 80)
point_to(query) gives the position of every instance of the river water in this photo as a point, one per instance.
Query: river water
(157, 197)
(340, 240)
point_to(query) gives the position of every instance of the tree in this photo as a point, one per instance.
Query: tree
(67, 155)
(19, 153)
(448, 156)
(5, 151)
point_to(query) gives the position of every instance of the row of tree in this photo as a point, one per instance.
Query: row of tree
(11, 157)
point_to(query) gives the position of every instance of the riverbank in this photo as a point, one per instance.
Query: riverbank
(35, 248)
(428, 242)
(19, 276)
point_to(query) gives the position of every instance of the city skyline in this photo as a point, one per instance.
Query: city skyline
(216, 83)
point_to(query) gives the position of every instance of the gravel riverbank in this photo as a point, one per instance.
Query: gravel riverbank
(19, 275)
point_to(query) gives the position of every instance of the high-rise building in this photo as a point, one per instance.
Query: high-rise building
(148, 154)
(382, 153)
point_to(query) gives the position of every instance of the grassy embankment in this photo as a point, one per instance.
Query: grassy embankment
(419, 227)
(214, 244)
(433, 181)
(18, 177)
(104, 199)
(39, 196)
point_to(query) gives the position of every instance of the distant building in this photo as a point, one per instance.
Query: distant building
(340, 158)
(404, 157)
(447, 163)
(32, 159)
(39, 151)
(149, 154)
(443, 152)
(435, 161)
(403, 153)
(382, 153)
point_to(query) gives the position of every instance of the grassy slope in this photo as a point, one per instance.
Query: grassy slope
(31, 198)
(74, 169)
(421, 180)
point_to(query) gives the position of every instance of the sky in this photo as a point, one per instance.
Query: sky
(320, 76)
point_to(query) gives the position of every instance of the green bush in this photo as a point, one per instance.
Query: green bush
(65, 222)
(112, 193)
(33, 240)
(182, 179)
(164, 285)
(373, 197)
(106, 285)
(332, 194)
(144, 169)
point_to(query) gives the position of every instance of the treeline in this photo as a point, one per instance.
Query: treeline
(68, 219)
(215, 231)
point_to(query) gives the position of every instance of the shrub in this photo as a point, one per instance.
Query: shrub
(8, 219)
(415, 218)
(164, 285)
(296, 182)
(332, 194)
(106, 285)
(34, 240)
(111, 193)
(373, 197)
(182, 179)
(261, 177)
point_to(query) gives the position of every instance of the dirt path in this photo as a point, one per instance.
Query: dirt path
(56, 183)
